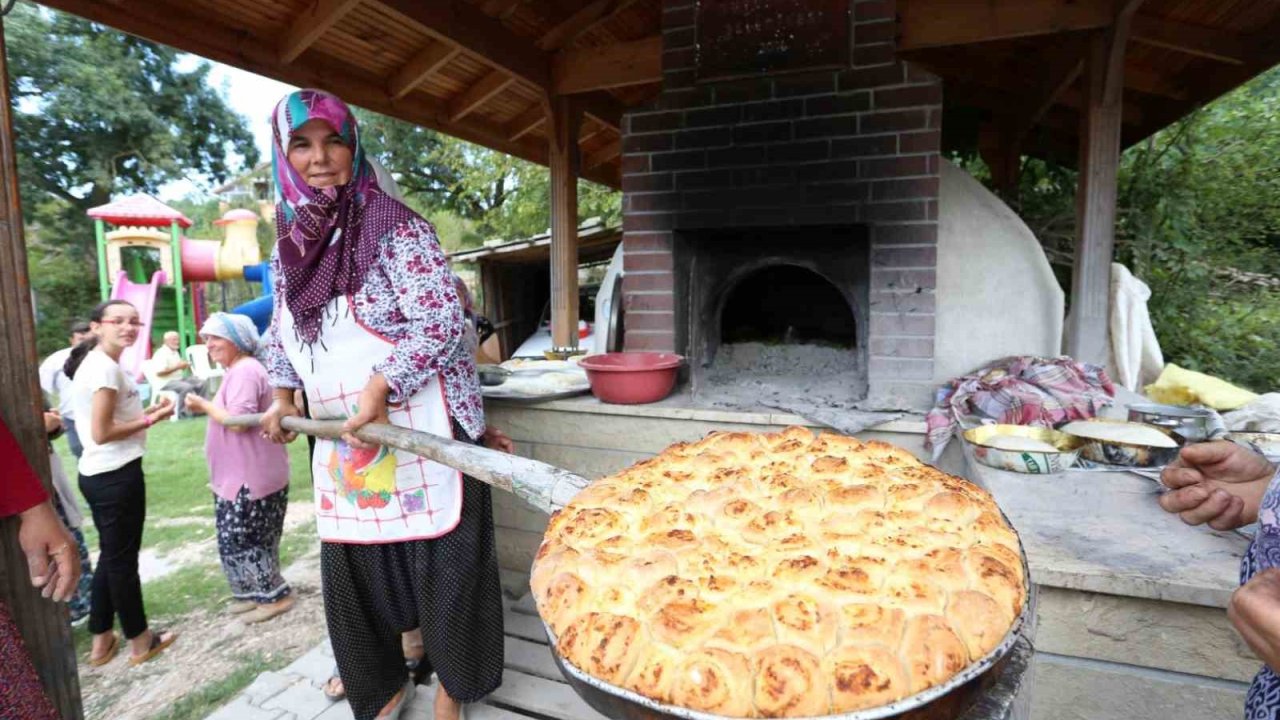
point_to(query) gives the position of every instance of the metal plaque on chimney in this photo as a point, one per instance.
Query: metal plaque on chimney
(744, 38)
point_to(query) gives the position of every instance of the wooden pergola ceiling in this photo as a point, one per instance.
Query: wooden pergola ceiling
(486, 70)
(483, 71)
(1019, 62)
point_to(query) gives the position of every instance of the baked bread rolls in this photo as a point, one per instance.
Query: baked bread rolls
(779, 575)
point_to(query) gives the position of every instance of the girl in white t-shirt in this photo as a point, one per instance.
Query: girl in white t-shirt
(113, 430)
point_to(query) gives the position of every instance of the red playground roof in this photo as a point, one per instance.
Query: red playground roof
(141, 210)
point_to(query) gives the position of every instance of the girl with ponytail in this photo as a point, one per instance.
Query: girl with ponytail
(107, 403)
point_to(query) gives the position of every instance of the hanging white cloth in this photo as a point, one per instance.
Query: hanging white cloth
(1135, 351)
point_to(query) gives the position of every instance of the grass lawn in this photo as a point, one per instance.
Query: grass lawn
(180, 511)
(179, 502)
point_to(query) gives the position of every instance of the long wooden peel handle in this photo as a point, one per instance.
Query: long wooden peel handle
(546, 487)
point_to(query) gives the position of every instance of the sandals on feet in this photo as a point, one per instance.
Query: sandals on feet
(160, 639)
(333, 687)
(405, 696)
(107, 656)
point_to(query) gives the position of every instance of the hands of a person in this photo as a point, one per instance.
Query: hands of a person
(371, 407)
(194, 403)
(161, 410)
(495, 439)
(52, 421)
(1219, 483)
(53, 560)
(281, 407)
(1254, 610)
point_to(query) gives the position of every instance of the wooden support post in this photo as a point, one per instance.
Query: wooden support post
(1001, 150)
(1087, 326)
(565, 117)
(100, 241)
(44, 625)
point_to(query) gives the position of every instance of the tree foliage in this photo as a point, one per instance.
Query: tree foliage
(96, 113)
(476, 192)
(1199, 222)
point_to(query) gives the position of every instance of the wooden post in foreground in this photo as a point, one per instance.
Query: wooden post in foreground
(1087, 325)
(43, 624)
(565, 122)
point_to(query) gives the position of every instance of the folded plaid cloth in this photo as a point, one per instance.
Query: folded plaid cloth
(1018, 390)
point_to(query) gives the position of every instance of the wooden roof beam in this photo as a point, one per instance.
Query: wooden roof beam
(468, 27)
(600, 68)
(603, 155)
(589, 131)
(427, 62)
(935, 23)
(211, 38)
(1197, 40)
(576, 25)
(1063, 71)
(502, 9)
(478, 94)
(1152, 82)
(526, 122)
(307, 28)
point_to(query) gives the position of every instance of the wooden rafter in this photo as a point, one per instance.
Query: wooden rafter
(935, 23)
(1197, 40)
(310, 25)
(590, 130)
(421, 66)
(604, 154)
(501, 9)
(584, 20)
(1152, 82)
(468, 27)
(208, 37)
(478, 94)
(637, 62)
(526, 122)
(1061, 72)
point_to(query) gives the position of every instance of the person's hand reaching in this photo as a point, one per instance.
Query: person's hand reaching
(371, 407)
(495, 439)
(1254, 610)
(53, 558)
(1218, 483)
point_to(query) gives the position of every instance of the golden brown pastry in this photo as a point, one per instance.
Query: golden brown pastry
(864, 676)
(715, 681)
(790, 683)
(779, 575)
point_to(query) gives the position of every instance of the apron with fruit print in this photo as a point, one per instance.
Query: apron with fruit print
(380, 495)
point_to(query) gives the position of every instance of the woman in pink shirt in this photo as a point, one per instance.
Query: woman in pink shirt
(249, 474)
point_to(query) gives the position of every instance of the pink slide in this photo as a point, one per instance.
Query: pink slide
(143, 297)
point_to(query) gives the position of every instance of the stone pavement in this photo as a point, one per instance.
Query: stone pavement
(532, 686)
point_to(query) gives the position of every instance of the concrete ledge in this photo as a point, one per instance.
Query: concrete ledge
(681, 406)
(1074, 689)
(1161, 635)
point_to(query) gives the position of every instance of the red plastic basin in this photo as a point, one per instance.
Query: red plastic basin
(632, 378)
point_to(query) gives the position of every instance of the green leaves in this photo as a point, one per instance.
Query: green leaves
(472, 193)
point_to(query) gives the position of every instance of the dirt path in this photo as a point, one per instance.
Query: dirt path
(211, 646)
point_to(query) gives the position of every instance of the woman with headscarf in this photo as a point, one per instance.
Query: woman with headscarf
(248, 473)
(368, 323)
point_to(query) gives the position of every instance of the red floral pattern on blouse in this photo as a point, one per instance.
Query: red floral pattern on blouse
(408, 297)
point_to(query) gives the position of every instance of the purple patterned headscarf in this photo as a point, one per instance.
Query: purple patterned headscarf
(327, 238)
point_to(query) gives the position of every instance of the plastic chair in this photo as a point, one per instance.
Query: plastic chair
(201, 365)
(149, 371)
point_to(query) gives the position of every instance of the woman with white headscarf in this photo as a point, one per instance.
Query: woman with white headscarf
(248, 473)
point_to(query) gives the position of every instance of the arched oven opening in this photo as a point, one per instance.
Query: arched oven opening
(777, 317)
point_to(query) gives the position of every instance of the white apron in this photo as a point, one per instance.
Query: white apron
(380, 495)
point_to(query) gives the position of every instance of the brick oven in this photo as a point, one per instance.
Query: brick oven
(787, 205)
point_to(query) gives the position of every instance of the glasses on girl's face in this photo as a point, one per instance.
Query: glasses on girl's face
(121, 321)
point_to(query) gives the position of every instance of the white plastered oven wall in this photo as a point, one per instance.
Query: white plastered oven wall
(996, 294)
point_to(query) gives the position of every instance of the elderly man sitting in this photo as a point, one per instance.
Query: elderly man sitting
(171, 370)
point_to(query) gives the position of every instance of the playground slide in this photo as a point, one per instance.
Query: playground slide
(142, 297)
